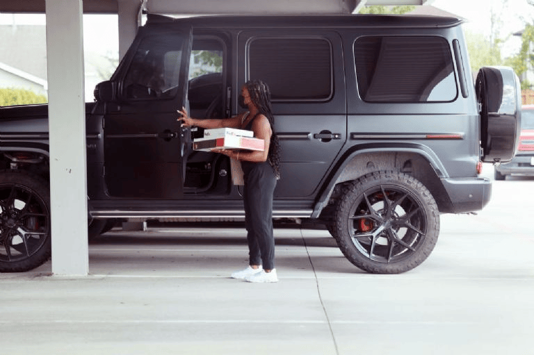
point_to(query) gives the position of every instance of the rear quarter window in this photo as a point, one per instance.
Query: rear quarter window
(296, 69)
(405, 69)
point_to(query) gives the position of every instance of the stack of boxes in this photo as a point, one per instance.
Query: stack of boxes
(228, 138)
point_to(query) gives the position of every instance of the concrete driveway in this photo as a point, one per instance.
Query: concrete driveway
(167, 291)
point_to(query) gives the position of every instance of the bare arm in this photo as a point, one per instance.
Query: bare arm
(232, 122)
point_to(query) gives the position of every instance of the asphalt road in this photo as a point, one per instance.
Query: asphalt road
(167, 291)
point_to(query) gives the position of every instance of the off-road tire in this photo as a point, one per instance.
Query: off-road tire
(25, 236)
(110, 224)
(386, 222)
(331, 228)
(97, 227)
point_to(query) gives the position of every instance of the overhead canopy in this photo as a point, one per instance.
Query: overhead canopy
(187, 7)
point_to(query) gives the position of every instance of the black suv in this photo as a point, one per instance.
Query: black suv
(380, 124)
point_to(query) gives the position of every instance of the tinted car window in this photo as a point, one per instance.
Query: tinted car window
(155, 68)
(404, 69)
(295, 69)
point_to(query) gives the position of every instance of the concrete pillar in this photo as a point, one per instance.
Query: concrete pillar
(68, 168)
(128, 18)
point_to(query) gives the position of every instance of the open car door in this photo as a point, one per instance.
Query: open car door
(145, 147)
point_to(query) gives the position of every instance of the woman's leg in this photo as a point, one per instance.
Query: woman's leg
(260, 189)
(253, 246)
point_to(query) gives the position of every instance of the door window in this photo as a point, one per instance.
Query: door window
(206, 64)
(155, 69)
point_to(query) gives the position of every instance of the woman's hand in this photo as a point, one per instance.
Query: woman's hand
(186, 120)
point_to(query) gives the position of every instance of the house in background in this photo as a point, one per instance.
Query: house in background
(23, 61)
(23, 58)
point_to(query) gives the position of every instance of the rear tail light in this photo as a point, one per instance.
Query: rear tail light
(479, 168)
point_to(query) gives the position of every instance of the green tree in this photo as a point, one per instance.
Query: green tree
(382, 10)
(209, 61)
(481, 51)
(524, 60)
(13, 96)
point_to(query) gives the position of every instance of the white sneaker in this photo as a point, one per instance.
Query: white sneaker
(263, 277)
(249, 271)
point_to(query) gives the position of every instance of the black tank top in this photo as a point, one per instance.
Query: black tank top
(247, 166)
(248, 127)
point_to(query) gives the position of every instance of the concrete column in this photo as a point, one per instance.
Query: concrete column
(128, 17)
(68, 168)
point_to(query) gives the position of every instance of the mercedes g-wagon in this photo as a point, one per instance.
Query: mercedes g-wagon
(381, 124)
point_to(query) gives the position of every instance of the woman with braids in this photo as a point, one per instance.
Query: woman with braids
(261, 170)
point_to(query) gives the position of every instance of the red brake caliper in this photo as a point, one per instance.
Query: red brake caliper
(366, 225)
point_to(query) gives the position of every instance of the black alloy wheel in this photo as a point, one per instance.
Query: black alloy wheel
(24, 221)
(387, 222)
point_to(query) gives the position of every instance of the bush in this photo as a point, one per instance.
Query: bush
(12, 96)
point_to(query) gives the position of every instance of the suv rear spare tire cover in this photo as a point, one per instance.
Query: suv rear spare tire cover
(499, 94)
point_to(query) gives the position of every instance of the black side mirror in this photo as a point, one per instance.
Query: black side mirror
(105, 92)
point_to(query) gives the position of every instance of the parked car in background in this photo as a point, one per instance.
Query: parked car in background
(523, 162)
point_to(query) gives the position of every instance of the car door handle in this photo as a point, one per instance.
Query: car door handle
(167, 135)
(327, 135)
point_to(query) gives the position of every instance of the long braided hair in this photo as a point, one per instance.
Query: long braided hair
(260, 95)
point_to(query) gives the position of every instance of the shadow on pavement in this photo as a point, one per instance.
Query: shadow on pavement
(156, 239)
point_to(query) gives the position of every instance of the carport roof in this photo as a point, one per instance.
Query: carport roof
(215, 6)
(304, 21)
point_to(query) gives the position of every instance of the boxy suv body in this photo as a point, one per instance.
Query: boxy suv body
(380, 125)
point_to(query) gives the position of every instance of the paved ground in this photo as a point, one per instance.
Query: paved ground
(167, 292)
